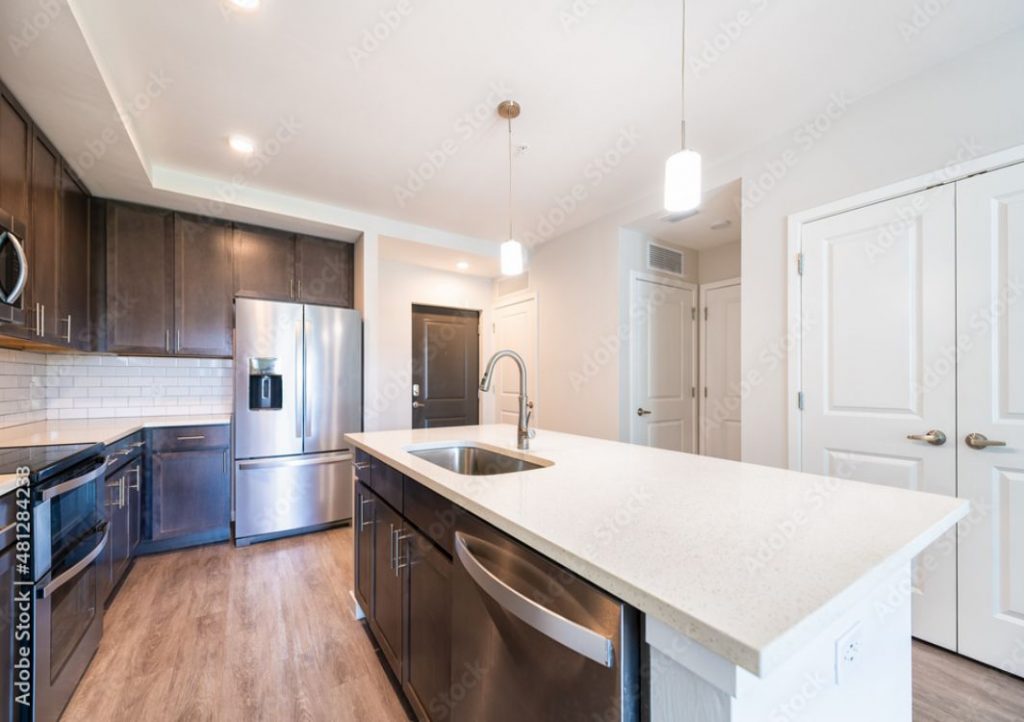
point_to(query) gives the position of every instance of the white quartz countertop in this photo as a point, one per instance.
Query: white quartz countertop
(751, 562)
(105, 431)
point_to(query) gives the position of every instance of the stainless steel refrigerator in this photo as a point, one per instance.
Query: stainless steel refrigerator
(298, 391)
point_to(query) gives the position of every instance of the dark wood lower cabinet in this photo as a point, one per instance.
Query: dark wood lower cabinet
(386, 605)
(123, 512)
(403, 583)
(187, 499)
(426, 672)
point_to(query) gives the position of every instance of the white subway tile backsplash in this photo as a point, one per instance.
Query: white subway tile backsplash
(35, 386)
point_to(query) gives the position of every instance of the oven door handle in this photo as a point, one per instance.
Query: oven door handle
(71, 484)
(67, 576)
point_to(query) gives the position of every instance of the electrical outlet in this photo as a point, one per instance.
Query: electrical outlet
(849, 649)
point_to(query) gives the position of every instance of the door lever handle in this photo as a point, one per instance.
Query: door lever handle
(642, 412)
(417, 405)
(980, 441)
(933, 437)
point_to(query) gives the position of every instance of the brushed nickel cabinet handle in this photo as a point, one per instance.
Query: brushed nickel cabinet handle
(198, 437)
(933, 437)
(980, 441)
(68, 337)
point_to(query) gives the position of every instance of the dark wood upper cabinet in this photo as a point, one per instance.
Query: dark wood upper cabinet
(73, 265)
(139, 309)
(324, 271)
(43, 241)
(204, 278)
(264, 264)
(15, 134)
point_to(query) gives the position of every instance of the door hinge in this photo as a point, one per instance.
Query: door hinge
(800, 264)
(800, 400)
(705, 392)
(705, 313)
(693, 313)
(693, 392)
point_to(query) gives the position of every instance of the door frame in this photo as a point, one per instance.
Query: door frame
(702, 366)
(635, 277)
(955, 170)
(514, 299)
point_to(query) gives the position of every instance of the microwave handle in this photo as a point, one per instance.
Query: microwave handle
(67, 576)
(71, 484)
(19, 285)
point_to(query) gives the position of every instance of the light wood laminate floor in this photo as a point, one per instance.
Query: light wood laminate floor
(266, 633)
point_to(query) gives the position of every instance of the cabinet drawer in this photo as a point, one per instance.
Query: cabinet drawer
(185, 438)
(387, 482)
(362, 467)
(8, 511)
(430, 512)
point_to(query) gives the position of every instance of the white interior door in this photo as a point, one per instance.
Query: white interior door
(515, 328)
(990, 286)
(879, 311)
(663, 365)
(720, 370)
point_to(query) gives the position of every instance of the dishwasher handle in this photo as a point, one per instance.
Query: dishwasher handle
(566, 632)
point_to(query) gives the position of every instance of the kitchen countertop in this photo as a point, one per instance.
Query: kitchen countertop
(752, 562)
(105, 431)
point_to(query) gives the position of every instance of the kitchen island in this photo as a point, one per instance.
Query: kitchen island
(767, 593)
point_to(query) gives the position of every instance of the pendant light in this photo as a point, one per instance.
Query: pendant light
(511, 250)
(682, 170)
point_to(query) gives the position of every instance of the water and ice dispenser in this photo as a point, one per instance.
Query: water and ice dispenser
(264, 384)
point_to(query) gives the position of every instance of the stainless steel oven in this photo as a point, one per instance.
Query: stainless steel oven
(68, 624)
(13, 268)
(66, 509)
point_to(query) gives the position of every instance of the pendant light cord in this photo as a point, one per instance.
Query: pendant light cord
(510, 177)
(682, 80)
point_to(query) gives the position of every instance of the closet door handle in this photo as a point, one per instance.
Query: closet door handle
(933, 437)
(980, 441)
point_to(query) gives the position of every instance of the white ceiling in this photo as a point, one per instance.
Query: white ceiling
(441, 259)
(589, 78)
(720, 204)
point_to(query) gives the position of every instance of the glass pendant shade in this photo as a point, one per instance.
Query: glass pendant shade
(511, 258)
(682, 181)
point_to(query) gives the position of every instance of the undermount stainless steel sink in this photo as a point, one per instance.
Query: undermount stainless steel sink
(476, 460)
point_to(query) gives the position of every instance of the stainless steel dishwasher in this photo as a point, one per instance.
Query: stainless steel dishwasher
(532, 641)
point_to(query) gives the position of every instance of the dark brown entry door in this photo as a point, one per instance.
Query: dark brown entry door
(445, 367)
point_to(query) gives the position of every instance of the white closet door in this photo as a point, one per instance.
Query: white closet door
(990, 287)
(663, 361)
(515, 328)
(879, 312)
(720, 370)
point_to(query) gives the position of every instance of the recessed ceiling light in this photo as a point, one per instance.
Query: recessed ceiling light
(246, 4)
(462, 265)
(242, 144)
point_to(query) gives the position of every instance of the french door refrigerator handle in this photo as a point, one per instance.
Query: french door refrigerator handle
(300, 372)
(307, 417)
(566, 632)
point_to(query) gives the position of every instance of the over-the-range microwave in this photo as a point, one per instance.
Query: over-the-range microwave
(13, 268)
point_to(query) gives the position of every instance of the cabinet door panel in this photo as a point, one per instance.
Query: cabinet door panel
(14, 155)
(73, 285)
(190, 492)
(264, 264)
(428, 628)
(386, 615)
(42, 241)
(325, 271)
(203, 273)
(365, 520)
(140, 279)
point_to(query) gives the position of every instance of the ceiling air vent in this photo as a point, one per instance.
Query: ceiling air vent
(663, 259)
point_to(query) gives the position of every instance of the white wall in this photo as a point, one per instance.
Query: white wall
(971, 106)
(720, 263)
(388, 400)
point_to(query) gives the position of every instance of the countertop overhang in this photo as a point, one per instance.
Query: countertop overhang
(752, 562)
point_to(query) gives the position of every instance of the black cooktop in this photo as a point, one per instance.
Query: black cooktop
(44, 461)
